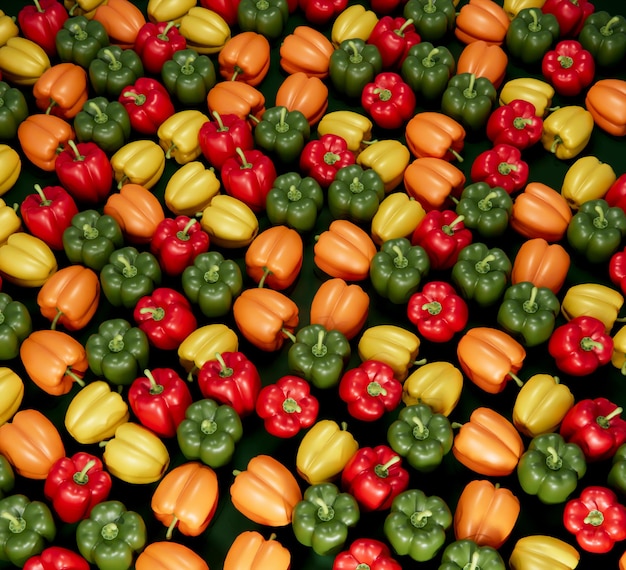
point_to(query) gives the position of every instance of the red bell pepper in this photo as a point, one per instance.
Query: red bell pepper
(580, 346)
(166, 317)
(322, 158)
(366, 553)
(320, 12)
(596, 518)
(569, 68)
(48, 213)
(617, 269)
(159, 400)
(56, 558)
(41, 21)
(75, 485)
(570, 14)
(218, 139)
(231, 379)
(595, 426)
(85, 172)
(249, 176)
(177, 242)
(156, 43)
(227, 9)
(443, 235)
(374, 476)
(370, 390)
(389, 101)
(515, 124)
(287, 406)
(393, 37)
(616, 195)
(501, 166)
(148, 104)
(437, 311)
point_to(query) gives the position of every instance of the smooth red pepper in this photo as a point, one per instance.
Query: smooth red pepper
(232, 379)
(393, 37)
(389, 100)
(570, 14)
(56, 558)
(41, 21)
(617, 269)
(616, 195)
(227, 9)
(569, 68)
(148, 104)
(156, 43)
(515, 124)
(219, 139)
(501, 166)
(320, 12)
(366, 553)
(322, 158)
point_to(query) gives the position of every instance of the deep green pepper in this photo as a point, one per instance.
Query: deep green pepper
(129, 275)
(421, 436)
(209, 432)
(26, 527)
(113, 69)
(482, 274)
(319, 355)
(213, 283)
(529, 313)
(79, 40)
(13, 110)
(7, 477)
(265, 17)
(188, 76)
(15, 325)
(617, 474)
(550, 468)
(355, 194)
(91, 238)
(282, 132)
(433, 19)
(466, 554)
(294, 201)
(427, 70)
(469, 99)
(604, 36)
(596, 230)
(485, 209)
(111, 536)
(397, 270)
(531, 34)
(104, 122)
(416, 524)
(118, 352)
(323, 518)
(353, 65)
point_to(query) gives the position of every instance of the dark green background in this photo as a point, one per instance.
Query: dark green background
(449, 479)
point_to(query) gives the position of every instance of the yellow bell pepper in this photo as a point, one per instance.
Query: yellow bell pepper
(541, 552)
(85, 8)
(229, 222)
(95, 412)
(514, 7)
(138, 162)
(541, 405)
(205, 30)
(355, 22)
(8, 28)
(587, 179)
(10, 168)
(618, 358)
(592, 300)
(397, 216)
(437, 384)
(12, 390)
(203, 344)
(168, 10)
(535, 91)
(353, 127)
(10, 222)
(22, 61)
(135, 454)
(388, 158)
(26, 260)
(324, 451)
(178, 135)
(567, 131)
(191, 188)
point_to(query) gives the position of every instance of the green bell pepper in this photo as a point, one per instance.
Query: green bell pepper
(209, 432)
(604, 36)
(15, 325)
(427, 70)
(283, 133)
(467, 555)
(550, 468)
(212, 283)
(118, 352)
(13, 110)
(485, 210)
(531, 34)
(433, 19)
(319, 355)
(104, 122)
(353, 65)
(265, 17)
(294, 201)
(421, 436)
(482, 274)
(617, 474)
(111, 536)
(26, 527)
(323, 518)
(355, 194)
(529, 313)
(91, 238)
(469, 100)
(189, 76)
(7, 477)
(113, 69)
(79, 40)
(397, 270)
(596, 230)
(129, 275)
(416, 524)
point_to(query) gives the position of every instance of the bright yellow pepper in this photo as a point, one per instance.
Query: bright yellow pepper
(567, 131)
(541, 552)
(392, 345)
(22, 61)
(205, 30)
(388, 158)
(204, 343)
(10, 222)
(191, 188)
(397, 216)
(592, 300)
(138, 162)
(168, 10)
(26, 260)
(353, 127)
(587, 179)
(85, 8)
(535, 91)
(8, 28)
(12, 390)
(229, 222)
(355, 22)
(178, 135)
(324, 451)
(514, 7)
(437, 384)
(618, 358)
(10, 168)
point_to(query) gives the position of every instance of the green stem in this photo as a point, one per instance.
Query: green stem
(81, 477)
(225, 371)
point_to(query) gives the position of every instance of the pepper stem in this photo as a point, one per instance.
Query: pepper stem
(155, 389)
(289, 335)
(157, 313)
(171, 527)
(69, 372)
(225, 371)
(553, 460)
(319, 349)
(607, 29)
(473, 565)
(81, 477)
(163, 35)
(77, 155)
(220, 124)
(184, 233)
(128, 270)
(399, 261)
(355, 56)
(38, 6)
(138, 98)
(400, 30)
(44, 201)
(534, 26)
(516, 378)
(100, 116)
(594, 518)
(115, 64)
(382, 470)
(244, 160)
(469, 92)
(53, 325)
(428, 61)
(449, 228)
(266, 272)
(16, 525)
(604, 421)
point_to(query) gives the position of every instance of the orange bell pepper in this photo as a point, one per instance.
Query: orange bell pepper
(606, 101)
(483, 59)
(42, 137)
(31, 443)
(166, 555)
(245, 57)
(62, 90)
(432, 181)
(122, 21)
(482, 20)
(307, 50)
(434, 134)
(541, 263)
(250, 551)
(237, 98)
(309, 95)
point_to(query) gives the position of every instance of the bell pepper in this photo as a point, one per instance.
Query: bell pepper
(388, 100)
(442, 234)
(139, 162)
(177, 242)
(188, 76)
(608, 117)
(267, 19)
(245, 57)
(147, 103)
(167, 555)
(436, 384)
(7, 477)
(483, 59)
(12, 223)
(501, 166)
(322, 158)
(467, 553)
(15, 326)
(355, 193)
(250, 550)
(56, 558)
(13, 110)
(61, 90)
(191, 188)
(104, 122)
(13, 388)
(237, 98)
(156, 43)
(40, 23)
(353, 65)
(433, 181)
(388, 158)
(205, 29)
(469, 100)
(615, 478)
(355, 128)
(515, 124)
(8, 28)
(570, 15)
(320, 12)
(567, 131)
(282, 132)
(616, 270)
(218, 139)
(593, 300)
(485, 209)
(202, 345)
(604, 36)
(354, 22)
(79, 40)
(121, 19)
(531, 90)
(433, 134)
(393, 37)
(544, 552)
(568, 67)
(306, 39)
(26, 260)
(618, 358)
(432, 20)
(542, 264)
(481, 20)
(178, 135)
(113, 69)
(366, 551)
(42, 137)
(398, 216)
(416, 524)
(22, 61)
(427, 69)
(587, 179)
(531, 34)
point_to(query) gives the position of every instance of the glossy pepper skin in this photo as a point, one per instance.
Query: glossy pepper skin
(469, 100)
(147, 103)
(366, 551)
(432, 20)
(393, 37)
(355, 194)
(531, 34)
(353, 65)
(266, 18)
(40, 23)
(568, 67)
(427, 70)
(15, 326)
(465, 553)
(156, 43)
(616, 477)
(570, 15)
(219, 138)
(177, 242)
(294, 201)
(388, 100)
(604, 35)
(485, 209)
(79, 40)
(13, 110)
(7, 477)
(282, 132)
(113, 69)
(103, 122)
(501, 166)
(188, 76)
(56, 558)
(516, 124)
